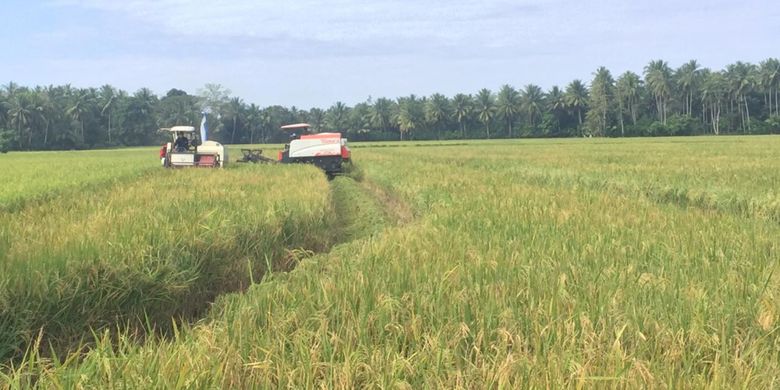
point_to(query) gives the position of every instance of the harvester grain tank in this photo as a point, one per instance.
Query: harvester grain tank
(187, 150)
(328, 151)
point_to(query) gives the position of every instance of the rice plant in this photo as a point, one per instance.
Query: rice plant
(527, 264)
(145, 251)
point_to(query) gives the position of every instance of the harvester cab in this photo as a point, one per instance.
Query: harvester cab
(187, 150)
(328, 151)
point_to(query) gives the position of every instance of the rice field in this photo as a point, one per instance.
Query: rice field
(35, 176)
(147, 250)
(524, 264)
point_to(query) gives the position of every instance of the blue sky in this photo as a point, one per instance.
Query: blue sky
(313, 53)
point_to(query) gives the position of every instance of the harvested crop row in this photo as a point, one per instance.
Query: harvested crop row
(358, 213)
(146, 251)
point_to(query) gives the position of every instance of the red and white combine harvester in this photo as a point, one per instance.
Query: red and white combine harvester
(329, 151)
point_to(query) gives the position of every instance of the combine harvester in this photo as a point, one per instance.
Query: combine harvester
(329, 151)
(186, 150)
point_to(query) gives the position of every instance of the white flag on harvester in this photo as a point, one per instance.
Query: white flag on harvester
(204, 131)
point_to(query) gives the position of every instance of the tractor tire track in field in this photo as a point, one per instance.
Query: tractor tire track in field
(362, 209)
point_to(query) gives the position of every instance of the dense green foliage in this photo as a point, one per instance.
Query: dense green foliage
(742, 98)
(519, 264)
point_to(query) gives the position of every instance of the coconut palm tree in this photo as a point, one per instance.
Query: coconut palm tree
(508, 105)
(533, 103)
(10, 90)
(688, 78)
(174, 109)
(20, 114)
(41, 107)
(317, 119)
(78, 110)
(556, 105)
(381, 114)
(410, 114)
(770, 83)
(359, 118)
(658, 77)
(462, 106)
(577, 98)
(108, 102)
(486, 108)
(4, 107)
(601, 101)
(336, 116)
(140, 117)
(437, 111)
(627, 90)
(253, 116)
(740, 77)
(266, 121)
(714, 91)
(234, 110)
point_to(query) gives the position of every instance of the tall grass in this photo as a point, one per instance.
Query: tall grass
(507, 279)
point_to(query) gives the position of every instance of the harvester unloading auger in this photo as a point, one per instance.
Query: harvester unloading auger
(328, 151)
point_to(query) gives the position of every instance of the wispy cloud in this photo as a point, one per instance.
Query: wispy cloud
(343, 21)
(307, 52)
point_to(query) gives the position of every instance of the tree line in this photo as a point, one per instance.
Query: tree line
(662, 101)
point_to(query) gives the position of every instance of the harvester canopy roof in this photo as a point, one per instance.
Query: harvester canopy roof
(296, 126)
(183, 129)
(321, 136)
